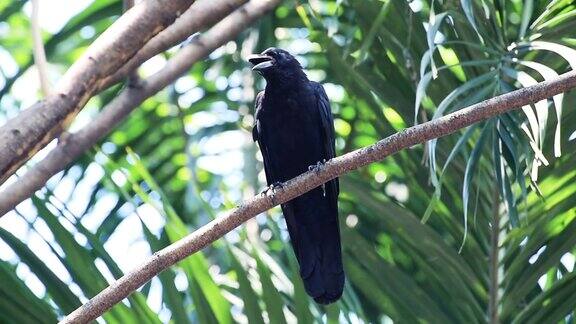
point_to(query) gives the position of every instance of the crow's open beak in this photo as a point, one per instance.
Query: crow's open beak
(260, 62)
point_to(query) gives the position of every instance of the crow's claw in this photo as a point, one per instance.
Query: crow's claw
(318, 166)
(273, 187)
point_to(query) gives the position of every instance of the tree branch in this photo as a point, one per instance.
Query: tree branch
(200, 15)
(217, 228)
(36, 126)
(38, 50)
(132, 77)
(76, 144)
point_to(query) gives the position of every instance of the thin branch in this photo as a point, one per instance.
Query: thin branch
(36, 126)
(132, 78)
(76, 144)
(338, 166)
(202, 14)
(38, 50)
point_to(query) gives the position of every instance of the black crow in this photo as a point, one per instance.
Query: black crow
(295, 130)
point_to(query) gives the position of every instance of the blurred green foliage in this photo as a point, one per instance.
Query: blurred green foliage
(475, 227)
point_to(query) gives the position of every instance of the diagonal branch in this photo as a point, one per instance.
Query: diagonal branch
(200, 15)
(217, 228)
(132, 77)
(38, 50)
(76, 144)
(36, 126)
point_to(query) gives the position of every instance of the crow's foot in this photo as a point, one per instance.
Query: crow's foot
(316, 168)
(272, 188)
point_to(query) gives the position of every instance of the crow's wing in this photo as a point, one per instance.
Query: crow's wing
(329, 138)
(258, 136)
(312, 218)
(257, 111)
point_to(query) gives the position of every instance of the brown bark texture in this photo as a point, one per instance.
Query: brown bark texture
(118, 109)
(27, 133)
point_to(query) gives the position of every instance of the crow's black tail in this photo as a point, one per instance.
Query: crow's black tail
(313, 226)
(321, 264)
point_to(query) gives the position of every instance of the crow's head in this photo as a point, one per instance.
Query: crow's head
(274, 62)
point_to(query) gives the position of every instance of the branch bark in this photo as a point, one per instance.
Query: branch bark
(217, 228)
(38, 50)
(132, 77)
(36, 126)
(200, 15)
(76, 144)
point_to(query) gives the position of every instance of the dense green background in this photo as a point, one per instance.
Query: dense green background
(471, 228)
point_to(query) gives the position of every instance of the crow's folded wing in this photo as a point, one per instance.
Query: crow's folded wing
(327, 129)
(259, 136)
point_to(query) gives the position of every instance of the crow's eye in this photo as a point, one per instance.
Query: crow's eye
(280, 56)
